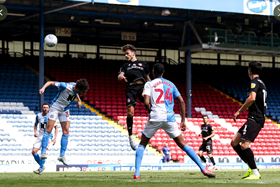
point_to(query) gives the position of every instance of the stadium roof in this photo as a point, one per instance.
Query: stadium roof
(88, 20)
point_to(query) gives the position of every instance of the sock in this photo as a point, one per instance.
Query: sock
(212, 160)
(193, 156)
(255, 171)
(42, 163)
(240, 152)
(138, 159)
(37, 158)
(250, 158)
(64, 143)
(203, 159)
(129, 123)
(45, 141)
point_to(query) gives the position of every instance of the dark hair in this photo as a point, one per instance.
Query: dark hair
(158, 68)
(82, 84)
(205, 116)
(256, 67)
(45, 104)
(128, 46)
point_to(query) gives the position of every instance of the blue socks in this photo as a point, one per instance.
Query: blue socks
(138, 159)
(45, 141)
(64, 143)
(42, 163)
(39, 161)
(37, 158)
(193, 156)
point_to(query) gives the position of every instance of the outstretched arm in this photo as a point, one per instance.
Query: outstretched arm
(49, 83)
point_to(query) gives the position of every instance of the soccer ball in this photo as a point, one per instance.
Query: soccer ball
(50, 40)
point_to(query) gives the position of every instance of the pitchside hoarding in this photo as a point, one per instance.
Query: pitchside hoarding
(124, 163)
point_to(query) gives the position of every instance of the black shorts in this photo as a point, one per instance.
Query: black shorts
(250, 130)
(206, 147)
(132, 93)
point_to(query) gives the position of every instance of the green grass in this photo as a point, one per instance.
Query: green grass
(148, 178)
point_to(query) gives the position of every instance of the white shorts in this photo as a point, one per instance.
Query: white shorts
(62, 116)
(171, 128)
(38, 142)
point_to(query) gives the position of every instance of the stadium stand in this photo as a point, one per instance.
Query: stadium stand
(106, 94)
(90, 134)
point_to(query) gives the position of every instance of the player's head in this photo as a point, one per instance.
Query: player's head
(45, 108)
(129, 51)
(254, 68)
(205, 119)
(158, 70)
(166, 144)
(81, 86)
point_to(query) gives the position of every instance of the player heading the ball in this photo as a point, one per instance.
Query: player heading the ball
(59, 109)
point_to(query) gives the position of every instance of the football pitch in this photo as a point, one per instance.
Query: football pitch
(270, 177)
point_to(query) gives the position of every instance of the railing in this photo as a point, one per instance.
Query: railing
(226, 36)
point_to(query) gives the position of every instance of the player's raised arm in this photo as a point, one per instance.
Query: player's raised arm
(49, 83)
(183, 112)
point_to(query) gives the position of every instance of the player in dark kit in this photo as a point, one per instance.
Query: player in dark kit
(135, 73)
(256, 102)
(207, 133)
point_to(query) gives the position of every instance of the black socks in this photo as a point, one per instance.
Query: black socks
(203, 159)
(250, 157)
(212, 160)
(240, 152)
(129, 123)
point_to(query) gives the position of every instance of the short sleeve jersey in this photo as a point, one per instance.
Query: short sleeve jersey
(134, 71)
(41, 121)
(206, 130)
(162, 93)
(64, 97)
(166, 150)
(258, 109)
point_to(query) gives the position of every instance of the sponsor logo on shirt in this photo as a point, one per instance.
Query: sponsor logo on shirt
(253, 85)
(140, 64)
(135, 67)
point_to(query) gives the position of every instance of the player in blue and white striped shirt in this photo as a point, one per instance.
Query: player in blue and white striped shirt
(41, 121)
(68, 92)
